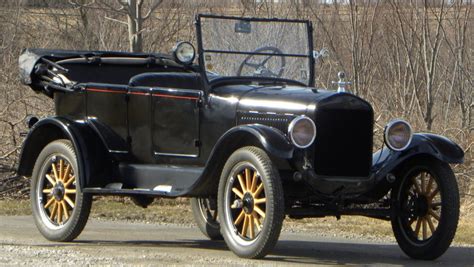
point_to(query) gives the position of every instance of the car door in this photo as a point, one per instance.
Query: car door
(175, 122)
(106, 107)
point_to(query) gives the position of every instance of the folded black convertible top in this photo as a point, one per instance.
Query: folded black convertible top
(30, 59)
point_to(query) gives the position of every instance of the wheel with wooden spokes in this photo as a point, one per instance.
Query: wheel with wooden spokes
(205, 215)
(427, 213)
(59, 207)
(250, 203)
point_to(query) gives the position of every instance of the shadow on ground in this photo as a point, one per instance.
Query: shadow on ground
(312, 252)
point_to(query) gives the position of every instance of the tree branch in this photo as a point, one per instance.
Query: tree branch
(155, 5)
(116, 20)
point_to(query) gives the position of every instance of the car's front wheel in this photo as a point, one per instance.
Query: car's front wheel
(250, 203)
(427, 209)
(60, 209)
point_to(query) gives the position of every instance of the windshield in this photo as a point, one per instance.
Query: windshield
(248, 47)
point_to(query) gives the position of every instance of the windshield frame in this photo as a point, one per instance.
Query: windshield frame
(201, 50)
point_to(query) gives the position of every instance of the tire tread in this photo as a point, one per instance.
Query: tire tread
(82, 207)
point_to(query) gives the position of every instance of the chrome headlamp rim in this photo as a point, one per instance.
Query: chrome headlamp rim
(386, 131)
(291, 128)
(175, 52)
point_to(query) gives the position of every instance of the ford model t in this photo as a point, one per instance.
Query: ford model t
(240, 129)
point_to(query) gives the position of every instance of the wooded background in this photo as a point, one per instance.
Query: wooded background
(411, 59)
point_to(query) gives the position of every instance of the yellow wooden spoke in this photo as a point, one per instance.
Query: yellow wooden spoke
(254, 182)
(69, 201)
(242, 184)
(47, 191)
(433, 194)
(417, 228)
(56, 177)
(432, 213)
(251, 227)
(422, 178)
(425, 229)
(411, 221)
(61, 169)
(259, 211)
(66, 184)
(259, 190)
(430, 223)
(245, 226)
(214, 215)
(417, 187)
(260, 200)
(239, 218)
(53, 211)
(237, 192)
(50, 201)
(70, 191)
(50, 179)
(247, 179)
(60, 213)
(66, 173)
(65, 211)
(256, 221)
(430, 184)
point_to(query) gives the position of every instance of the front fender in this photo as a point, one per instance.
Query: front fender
(437, 146)
(387, 161)
(273, 141)
(88, 147)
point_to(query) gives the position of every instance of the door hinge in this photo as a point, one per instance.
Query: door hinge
(197, 143)
(199, 102)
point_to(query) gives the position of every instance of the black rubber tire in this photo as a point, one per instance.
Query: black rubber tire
(441, 239)
(208, 226)
(80, 213)
(271, 227)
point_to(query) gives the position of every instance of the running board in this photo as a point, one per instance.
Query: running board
(127, 192)
(176, 180)
(151, 180)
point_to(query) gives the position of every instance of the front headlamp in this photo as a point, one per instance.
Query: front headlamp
(398, 135)
(184, 53)
(302, 131)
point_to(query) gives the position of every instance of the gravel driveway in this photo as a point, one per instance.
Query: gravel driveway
(125, 243)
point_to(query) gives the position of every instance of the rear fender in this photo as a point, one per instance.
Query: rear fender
(93, 160)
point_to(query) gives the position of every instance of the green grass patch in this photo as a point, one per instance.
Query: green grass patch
(179, 212)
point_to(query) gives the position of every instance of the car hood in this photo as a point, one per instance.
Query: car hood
(282, 99)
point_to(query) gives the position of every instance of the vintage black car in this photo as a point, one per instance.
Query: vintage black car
(241, 130)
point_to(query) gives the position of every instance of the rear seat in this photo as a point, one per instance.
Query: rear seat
(109, 70)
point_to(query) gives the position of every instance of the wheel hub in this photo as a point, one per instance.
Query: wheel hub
(248, 203)
(59, 191)
(422, 206)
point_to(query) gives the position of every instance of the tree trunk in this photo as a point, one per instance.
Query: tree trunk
(135, 26)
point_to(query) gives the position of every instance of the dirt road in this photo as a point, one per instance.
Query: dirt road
(124, 243)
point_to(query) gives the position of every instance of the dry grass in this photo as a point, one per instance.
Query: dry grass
(179, 212)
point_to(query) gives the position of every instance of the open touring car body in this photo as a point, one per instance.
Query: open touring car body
(146, 125)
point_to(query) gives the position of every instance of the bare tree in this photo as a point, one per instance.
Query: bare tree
(135, 11)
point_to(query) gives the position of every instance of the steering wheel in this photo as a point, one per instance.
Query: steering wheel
(261, 68)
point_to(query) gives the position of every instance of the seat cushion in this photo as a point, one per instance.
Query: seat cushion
(168, 79)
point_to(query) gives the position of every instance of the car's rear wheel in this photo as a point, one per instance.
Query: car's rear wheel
(427, 203)
(250, 203)
(205, 215)
(60, 209)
